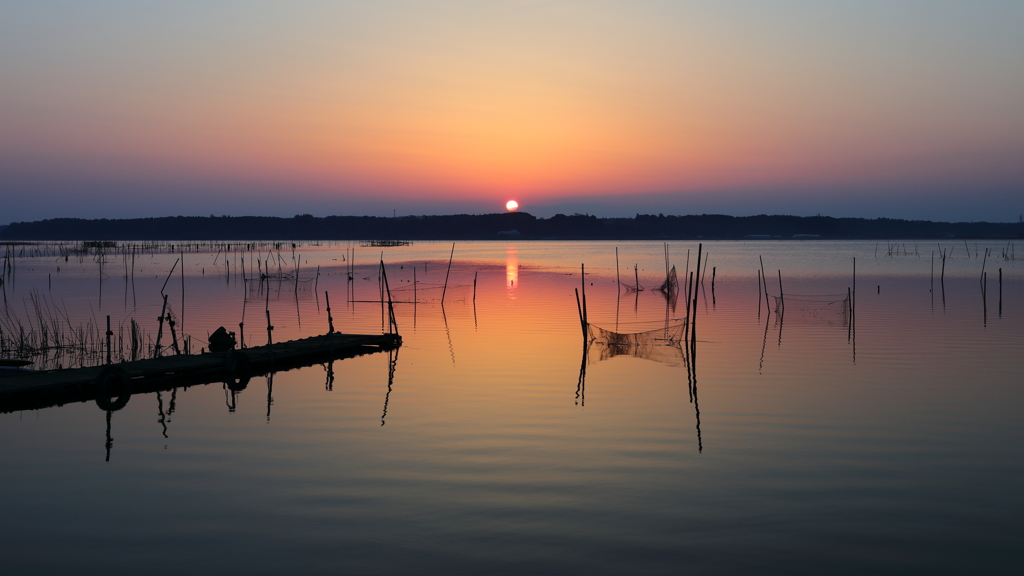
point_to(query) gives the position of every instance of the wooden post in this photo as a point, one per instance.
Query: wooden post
(982, 263)
(713, 270)
(696, 283)
(174, 336)
(109, 334)
(666, 260)
(445, 289)
(689, 312)
(474, 283)
(618, 284)
(689, 294)
(583, 283)
(782, 299)
(392, 321)
(181, 313)
(160, 330)
(984, 293)
(330, 320)
(849, 313)
(1000, 291)
(764, 277)
(579, 309)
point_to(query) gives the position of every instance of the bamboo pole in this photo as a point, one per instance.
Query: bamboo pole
(583, 282)
(160, 330)
(181, 313)
(984, 260)
(109, 334)
(579, 309)
(782, 298)
(618, 283)
(696, 282)
(330, 319)
(689, 312)
(445, 290)
(767, 304)
(392, 321)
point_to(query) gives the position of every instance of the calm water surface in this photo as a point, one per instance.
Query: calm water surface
(806, 445)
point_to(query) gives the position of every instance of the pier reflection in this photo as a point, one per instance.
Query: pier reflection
(111, 398)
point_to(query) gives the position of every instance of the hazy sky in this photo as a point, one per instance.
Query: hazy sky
(911, 109)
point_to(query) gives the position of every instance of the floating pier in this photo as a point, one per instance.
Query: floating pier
(111, 385)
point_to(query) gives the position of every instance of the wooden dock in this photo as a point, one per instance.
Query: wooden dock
(111, 385)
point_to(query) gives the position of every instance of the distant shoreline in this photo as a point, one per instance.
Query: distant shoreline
(505, 226)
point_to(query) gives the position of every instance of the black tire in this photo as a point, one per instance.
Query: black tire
(113, 388)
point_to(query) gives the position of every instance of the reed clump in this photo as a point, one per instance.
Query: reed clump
(45, 335)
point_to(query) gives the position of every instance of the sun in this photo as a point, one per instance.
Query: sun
(511, 205)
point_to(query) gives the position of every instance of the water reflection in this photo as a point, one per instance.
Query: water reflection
(448, 333)
(673, 344)
(581, 381)
(691, 376)
(814, 311)
(270, 393)
(109, 442)
(329, 381)
(392, 364)
(162, 420)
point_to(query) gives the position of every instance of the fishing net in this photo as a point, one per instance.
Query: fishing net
(829, 308)
(663, 345)
(671, 283)
(630, 288)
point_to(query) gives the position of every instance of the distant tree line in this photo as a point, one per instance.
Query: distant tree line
(495, 226)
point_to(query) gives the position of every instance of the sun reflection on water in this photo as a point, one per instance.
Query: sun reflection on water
(511, 271)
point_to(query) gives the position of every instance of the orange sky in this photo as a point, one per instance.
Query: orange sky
(458, 103)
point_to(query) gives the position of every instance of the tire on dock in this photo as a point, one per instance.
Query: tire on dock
(114, 388)
(237, 370)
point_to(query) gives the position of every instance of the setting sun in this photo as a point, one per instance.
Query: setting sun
(511, 205)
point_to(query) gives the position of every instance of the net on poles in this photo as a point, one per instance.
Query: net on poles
(663, 345)
(829, 308)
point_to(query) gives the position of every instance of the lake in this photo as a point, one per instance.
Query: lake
(849, 428)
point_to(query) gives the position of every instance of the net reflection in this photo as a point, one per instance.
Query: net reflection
(672, 344)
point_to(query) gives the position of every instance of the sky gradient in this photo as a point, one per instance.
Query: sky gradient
(898, 109)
